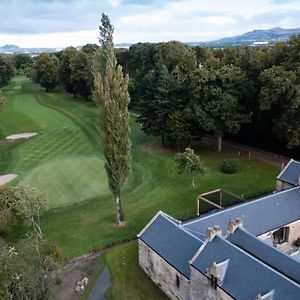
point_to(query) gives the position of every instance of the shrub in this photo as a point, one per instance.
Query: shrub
(229, 166)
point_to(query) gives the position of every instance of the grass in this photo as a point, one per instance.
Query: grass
(135, 285)
(83, 177)
(65, 162)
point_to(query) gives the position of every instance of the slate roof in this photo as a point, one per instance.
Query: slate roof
(266, 253)
(290, 173)
(259, 216)
(173, 244)
(254, 267)
(246, 276)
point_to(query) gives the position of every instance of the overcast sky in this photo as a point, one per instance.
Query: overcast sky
(61, 23)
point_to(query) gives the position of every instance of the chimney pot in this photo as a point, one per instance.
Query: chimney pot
(234, 224)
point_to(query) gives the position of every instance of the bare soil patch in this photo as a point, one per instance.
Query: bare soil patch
(74, 271)
(157, 149)
(4, 179)
(25, 135)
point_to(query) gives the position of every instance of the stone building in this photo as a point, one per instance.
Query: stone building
(243, 252)
(289, 176)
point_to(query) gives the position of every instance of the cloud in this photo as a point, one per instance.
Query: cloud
(64, 22)
(114, 3)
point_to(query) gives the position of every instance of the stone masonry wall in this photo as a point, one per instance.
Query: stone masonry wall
(281, 185)
(293, 235)
(163, 274)
(201, 289)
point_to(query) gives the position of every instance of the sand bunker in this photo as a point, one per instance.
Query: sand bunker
(4, 179)
(21, 136)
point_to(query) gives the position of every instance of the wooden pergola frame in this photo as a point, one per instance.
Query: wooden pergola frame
(201, 197)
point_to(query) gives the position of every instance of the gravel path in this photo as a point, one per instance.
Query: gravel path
(101, 286)
(4, 179)
(243, 150)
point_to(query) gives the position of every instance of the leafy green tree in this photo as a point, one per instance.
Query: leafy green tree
(7, 216)
(25, 265)
(46, 71)
(25, 270)
(280, 95)
(30, 205)
(90, 48)
(6, 70)
(23, 63)
(178, 128)
(81, 74)
(293, 54)
(176, 56)
(141, 68)
(65, 68)
(217, 95)
(112, 98)
(190, 162)
(155, 111)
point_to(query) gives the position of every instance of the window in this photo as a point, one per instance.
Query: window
(281, 235)
(213, 281)
(177, 281)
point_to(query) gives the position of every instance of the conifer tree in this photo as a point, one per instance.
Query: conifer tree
(112, 98)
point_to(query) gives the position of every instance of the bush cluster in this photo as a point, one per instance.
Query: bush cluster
(229, 166)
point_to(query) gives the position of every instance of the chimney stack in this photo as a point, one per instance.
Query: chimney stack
(234, 224)
(212, 232)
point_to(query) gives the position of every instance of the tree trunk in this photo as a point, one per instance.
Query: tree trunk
(163, 140)
(37, 229)
(193, 181)
(219, 143)
(119, 211)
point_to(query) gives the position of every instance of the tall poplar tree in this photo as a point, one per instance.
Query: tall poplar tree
(112, 98)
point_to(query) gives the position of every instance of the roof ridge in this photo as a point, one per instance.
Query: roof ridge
(257, 260)
(250, 202)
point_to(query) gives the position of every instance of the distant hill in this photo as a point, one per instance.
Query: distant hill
(255, 38)
(11, 49)
(252, 38)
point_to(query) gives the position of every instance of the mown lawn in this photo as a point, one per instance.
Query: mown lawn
(65, 162)
(135, 285)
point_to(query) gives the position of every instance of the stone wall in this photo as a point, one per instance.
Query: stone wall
(201, 289)
(294, 231)
(293, 235)
(163, 274)
(281, 185)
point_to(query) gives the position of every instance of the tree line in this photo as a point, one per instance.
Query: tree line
(181, 92)
(245, 93)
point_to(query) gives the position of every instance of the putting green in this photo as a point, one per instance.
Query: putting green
(68, 181)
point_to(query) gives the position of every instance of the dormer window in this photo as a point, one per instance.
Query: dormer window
(216, 273)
